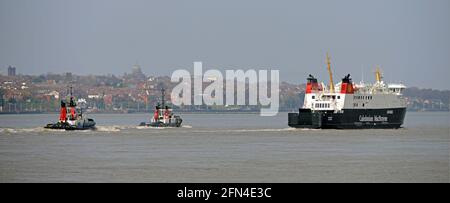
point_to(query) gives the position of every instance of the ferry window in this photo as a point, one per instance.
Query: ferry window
(334, 97)
(313, 97)
(363, 105)
(339, 97)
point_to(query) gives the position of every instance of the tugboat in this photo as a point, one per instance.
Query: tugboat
(163, 115)
(350, 105)
(72, 118)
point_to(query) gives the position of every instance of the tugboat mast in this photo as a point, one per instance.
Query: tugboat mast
(163, 101)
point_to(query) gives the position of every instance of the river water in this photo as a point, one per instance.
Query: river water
(222, 148)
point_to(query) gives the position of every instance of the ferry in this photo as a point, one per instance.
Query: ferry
(348, 105)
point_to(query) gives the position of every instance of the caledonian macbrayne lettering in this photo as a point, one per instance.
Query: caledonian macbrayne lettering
(364, 118)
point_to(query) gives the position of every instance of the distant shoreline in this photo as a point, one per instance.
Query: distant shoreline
(179, 112)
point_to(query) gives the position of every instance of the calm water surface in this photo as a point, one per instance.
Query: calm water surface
(222, 148)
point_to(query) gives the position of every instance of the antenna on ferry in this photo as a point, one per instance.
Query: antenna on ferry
(331, 74)
(378, 75)
(362, 74)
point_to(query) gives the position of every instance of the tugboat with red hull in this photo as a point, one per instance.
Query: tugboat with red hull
(163, 116)
(72, 118)
(350, 105)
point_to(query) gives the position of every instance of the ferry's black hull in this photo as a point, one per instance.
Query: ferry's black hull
(349, 119)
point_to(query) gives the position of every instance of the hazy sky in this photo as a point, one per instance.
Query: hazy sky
(410, 39)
